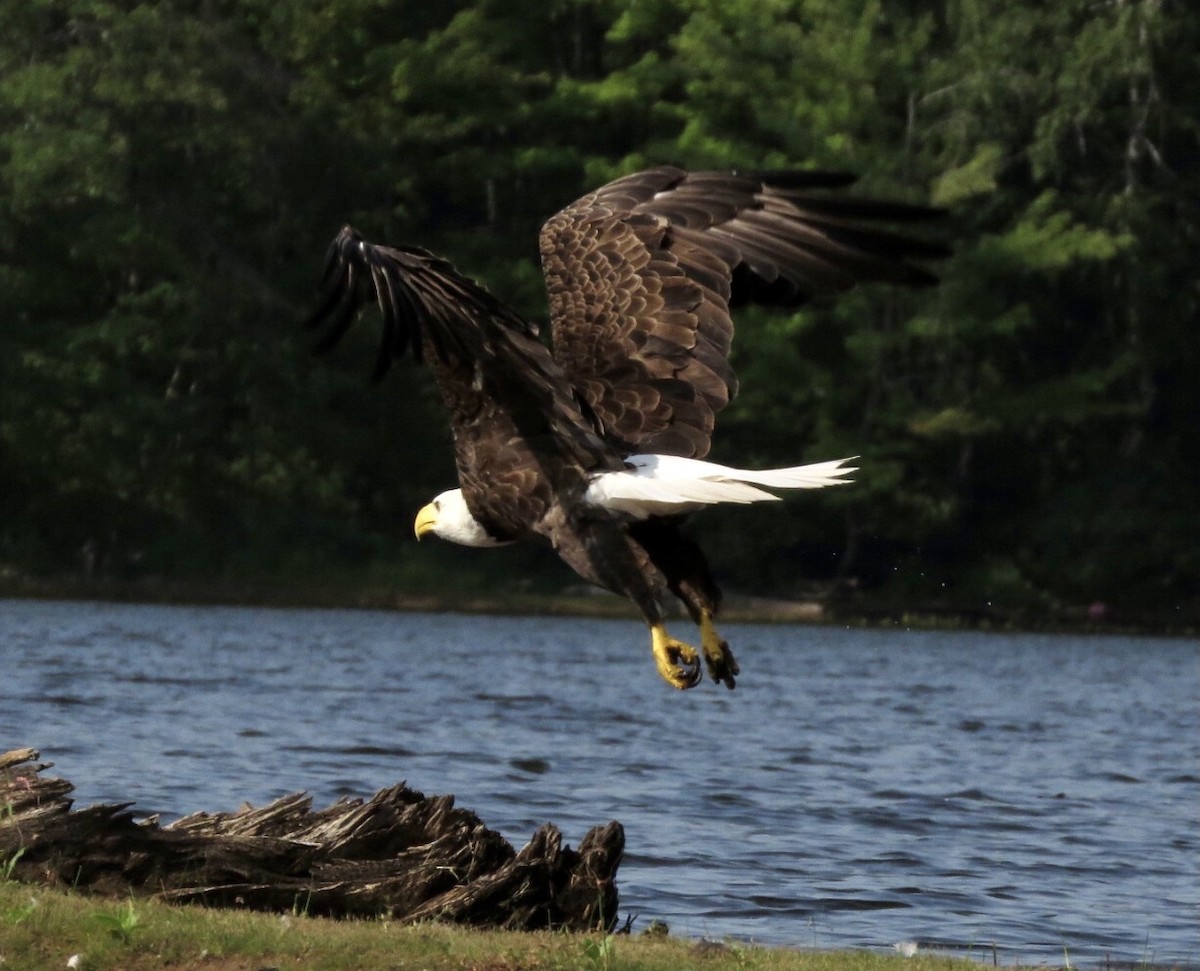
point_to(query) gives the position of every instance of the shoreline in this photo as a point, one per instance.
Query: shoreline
(580, 601)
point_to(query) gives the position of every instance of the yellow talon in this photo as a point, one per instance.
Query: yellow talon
(677, 662)
(717, 656)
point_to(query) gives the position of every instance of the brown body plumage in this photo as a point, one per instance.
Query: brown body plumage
(641, 275)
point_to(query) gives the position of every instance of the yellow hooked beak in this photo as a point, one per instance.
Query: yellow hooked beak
(426, 519)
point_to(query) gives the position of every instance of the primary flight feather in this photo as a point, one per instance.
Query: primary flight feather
(596, 443)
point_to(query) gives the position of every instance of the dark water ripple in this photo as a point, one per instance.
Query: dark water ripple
(1034, 795)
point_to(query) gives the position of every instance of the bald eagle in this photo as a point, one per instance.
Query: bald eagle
(596, 443)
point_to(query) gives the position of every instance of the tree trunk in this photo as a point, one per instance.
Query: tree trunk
(398, 854)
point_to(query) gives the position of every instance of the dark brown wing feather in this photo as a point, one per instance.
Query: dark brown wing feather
(520, 438)
(421, 297)
(642, 272)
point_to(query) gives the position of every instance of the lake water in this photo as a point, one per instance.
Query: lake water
(1039, 795)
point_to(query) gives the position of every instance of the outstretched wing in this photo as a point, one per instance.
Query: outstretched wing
(422, 299)
(519, 431)
(642, 272)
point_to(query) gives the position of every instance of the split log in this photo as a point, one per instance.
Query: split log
(398, 854)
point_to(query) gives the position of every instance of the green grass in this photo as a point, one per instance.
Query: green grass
(41, 929)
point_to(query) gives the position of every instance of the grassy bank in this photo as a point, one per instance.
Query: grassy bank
(42, 929)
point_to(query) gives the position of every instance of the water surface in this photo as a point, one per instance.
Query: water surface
(1035, 794)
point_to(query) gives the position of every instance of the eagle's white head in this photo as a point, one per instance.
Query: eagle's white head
(448, 517)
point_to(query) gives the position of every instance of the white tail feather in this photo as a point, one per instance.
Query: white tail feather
(667, 484)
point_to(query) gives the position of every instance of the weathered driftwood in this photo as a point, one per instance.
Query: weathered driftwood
(399, 853)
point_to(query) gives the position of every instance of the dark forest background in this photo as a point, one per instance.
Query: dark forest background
(171, 172)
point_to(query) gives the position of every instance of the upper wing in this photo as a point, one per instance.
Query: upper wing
(519, 430)
(422, 299)
(642, 272)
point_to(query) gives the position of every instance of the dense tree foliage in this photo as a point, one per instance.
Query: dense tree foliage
(170, 173)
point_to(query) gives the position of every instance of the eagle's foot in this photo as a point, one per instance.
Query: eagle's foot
(717, 656)
(677, 662)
